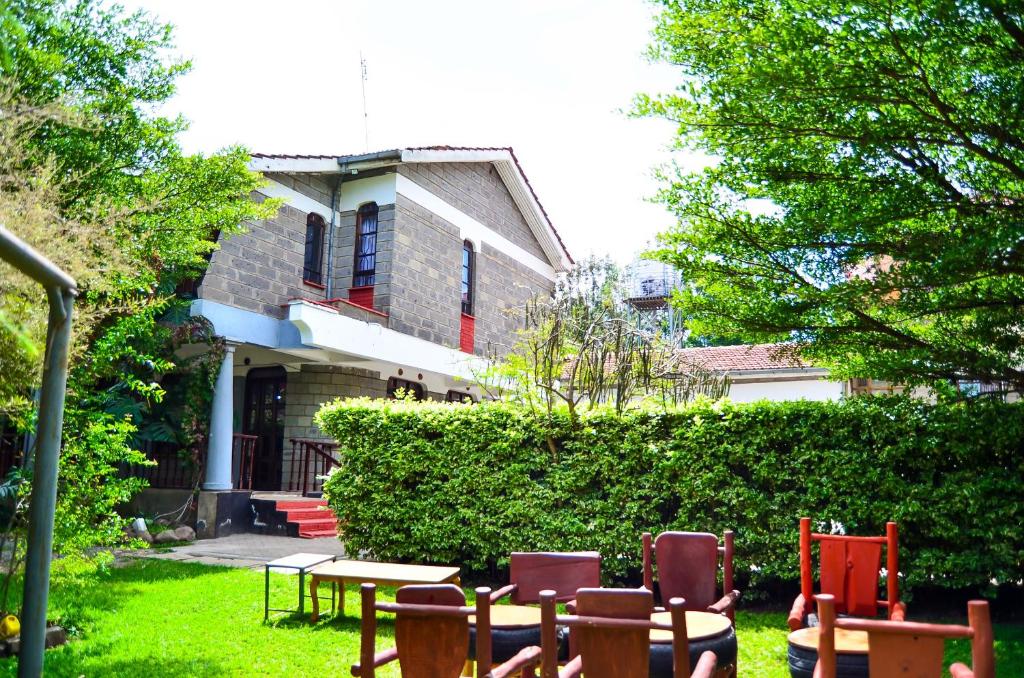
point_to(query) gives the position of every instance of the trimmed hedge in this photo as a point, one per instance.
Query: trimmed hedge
(447, 483)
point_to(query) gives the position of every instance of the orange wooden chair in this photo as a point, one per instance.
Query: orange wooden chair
(897, 649)
(687, 565)
(850, 571)
(432, 634)
(613, 627)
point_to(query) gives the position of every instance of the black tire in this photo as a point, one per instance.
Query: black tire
(724, 647)
(506, 643)
(802, 661)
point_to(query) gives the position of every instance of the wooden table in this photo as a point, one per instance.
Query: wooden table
(851, 652)
(512, 617)
(847, 641)
(382, 574)
(699, 625)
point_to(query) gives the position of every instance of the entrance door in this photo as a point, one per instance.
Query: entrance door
(264, 418)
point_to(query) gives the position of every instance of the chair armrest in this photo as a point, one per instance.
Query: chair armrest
(572, 669)
(502, 592)
(379, 659)
(528, 657)
(727, 603)
(705, 665)
(899, 612)
(796, 613)
(959, 670)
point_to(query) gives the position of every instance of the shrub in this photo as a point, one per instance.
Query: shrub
(446, 483)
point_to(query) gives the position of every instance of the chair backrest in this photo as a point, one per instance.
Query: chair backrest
(562, 573)
(897, 649)
(687, 565)
(431, 645)
(850, 569)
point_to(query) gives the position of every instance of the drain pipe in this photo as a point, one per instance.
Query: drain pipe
(335, 197)
(61, 291)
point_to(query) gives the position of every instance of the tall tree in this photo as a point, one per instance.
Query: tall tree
(93, 176)
(868, 197)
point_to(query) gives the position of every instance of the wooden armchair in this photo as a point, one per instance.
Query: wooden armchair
(897, 649)
(850, 572)
(563, 573)
(687, 565)
(614, 626)
(432, 634)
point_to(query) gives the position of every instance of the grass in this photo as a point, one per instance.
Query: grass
(164, 618)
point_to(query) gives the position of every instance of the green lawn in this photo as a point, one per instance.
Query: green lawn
(163, 618)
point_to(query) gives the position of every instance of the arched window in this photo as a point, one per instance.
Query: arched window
(363, 273)
(312, 268)
(405, 388)
(468, 264)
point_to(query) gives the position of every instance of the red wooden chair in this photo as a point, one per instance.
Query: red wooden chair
(850, 571)
(614, 627)
(563, 573)
(432, 634)
(688, 568)
(897, 649)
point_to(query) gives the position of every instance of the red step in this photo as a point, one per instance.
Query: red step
(311, 517)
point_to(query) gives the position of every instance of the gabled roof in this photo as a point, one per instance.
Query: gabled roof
(502, 157)
(745, 358)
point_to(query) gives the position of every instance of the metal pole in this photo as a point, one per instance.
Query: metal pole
(44, 485)
(60, 290)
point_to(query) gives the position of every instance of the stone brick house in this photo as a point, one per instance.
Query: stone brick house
(382, 271)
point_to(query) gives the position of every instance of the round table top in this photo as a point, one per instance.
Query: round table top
(512, 616)
(698, 625)
(847, 641)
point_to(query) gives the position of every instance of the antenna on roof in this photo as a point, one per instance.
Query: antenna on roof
(366, 121)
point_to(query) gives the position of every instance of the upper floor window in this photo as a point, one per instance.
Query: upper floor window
(312, 268)
(403, 387)
(366, 246)
(467, 277)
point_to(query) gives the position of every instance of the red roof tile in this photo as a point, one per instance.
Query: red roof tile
(743, 358)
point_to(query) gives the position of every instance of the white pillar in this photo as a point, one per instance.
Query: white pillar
(218, 452)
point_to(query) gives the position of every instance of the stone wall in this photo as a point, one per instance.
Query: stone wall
(476, 189)
(261, 269)
(425, 275)
(503, 286)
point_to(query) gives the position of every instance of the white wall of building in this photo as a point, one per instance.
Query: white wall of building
(808, 389)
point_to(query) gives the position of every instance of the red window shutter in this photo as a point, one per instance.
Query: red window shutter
(467, 333)
(361, 296)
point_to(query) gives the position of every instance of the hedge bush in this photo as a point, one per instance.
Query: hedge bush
(467, 484)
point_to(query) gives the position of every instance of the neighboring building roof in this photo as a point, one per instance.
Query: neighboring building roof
(502, 157)
(745, 358)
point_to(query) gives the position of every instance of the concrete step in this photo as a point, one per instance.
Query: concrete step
(314, 534)
(307, 514)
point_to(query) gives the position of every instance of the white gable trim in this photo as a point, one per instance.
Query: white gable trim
(470, 228)
(328, 165)
(293, 198)
(516, 184)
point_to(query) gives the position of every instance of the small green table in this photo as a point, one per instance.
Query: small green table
(301, 563)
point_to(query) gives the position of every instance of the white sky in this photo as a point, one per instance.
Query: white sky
(551, 78)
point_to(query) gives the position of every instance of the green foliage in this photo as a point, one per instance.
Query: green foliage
(94, 178)
(449, 483)
(868, 185)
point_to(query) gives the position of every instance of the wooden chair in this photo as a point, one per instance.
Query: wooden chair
(850, 571)
(432, 634)
(688, 568)
(614, 626)
(563, 573)
(897, 649)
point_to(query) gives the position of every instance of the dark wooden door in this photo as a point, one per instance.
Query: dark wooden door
(264, 418)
